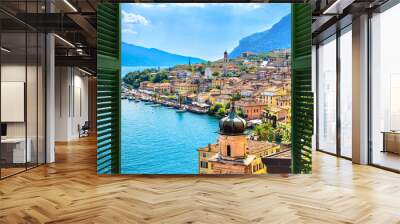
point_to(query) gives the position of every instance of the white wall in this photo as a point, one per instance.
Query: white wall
(14, 73)
(71, 102)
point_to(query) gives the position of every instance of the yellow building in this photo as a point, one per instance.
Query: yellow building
(271, 96)
(204, 154)
(281, 114)
(162, 87)
(283, 101)
(185, 87)
(222, 99)
(213, 94)
(234, 153)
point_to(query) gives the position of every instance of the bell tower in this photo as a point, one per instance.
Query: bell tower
(225, 61)
(232, 139)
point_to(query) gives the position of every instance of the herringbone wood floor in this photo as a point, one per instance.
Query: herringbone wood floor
(70, 191)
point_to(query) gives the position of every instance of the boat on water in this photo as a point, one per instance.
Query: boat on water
(197, 111)
(148, 103)
(130, 98)
(180, 108)
(137, 100)
(156, 105)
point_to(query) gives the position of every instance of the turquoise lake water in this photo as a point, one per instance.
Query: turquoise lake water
(157, 140)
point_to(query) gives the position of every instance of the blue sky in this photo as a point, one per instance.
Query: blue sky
(196, 29)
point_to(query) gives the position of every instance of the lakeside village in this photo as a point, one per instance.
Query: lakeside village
(252, 95)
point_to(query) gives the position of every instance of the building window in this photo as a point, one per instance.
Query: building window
(346, 93)
(228, 150)
(204, 154)
(203, 164)
(326, 97)
(385, 89)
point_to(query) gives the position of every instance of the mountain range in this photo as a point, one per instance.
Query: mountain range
(133, 55)
(277, 37)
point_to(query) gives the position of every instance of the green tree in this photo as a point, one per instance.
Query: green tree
(201, 68)
(215, 108)
(227, 105)
(229, 74)
(221, 112)
(135, 78)
(283, 133)
(236, 96)
(240, 112)
(215, 74)
(172, 97)
(265, 132)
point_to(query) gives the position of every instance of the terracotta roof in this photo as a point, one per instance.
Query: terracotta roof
(257, 146)
(210, 148)
(237, 161)
(249, 102)
(285, 154)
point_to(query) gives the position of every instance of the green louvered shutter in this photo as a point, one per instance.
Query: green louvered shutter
(302, 95)
(108, 89)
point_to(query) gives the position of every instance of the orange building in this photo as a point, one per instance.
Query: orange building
(147, 85)
(251, 108)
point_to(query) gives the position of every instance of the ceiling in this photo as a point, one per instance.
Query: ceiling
(73, 22)
(328, 15)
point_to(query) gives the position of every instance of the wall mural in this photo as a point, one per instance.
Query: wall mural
(206, 88)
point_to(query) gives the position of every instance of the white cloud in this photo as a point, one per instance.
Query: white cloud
(149, 5)
(144, 5)
(254, 5)
(196, 5)
(248, 5)
(132, 18)
(129, 30)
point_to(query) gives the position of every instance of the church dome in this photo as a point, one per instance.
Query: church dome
(232, 124)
